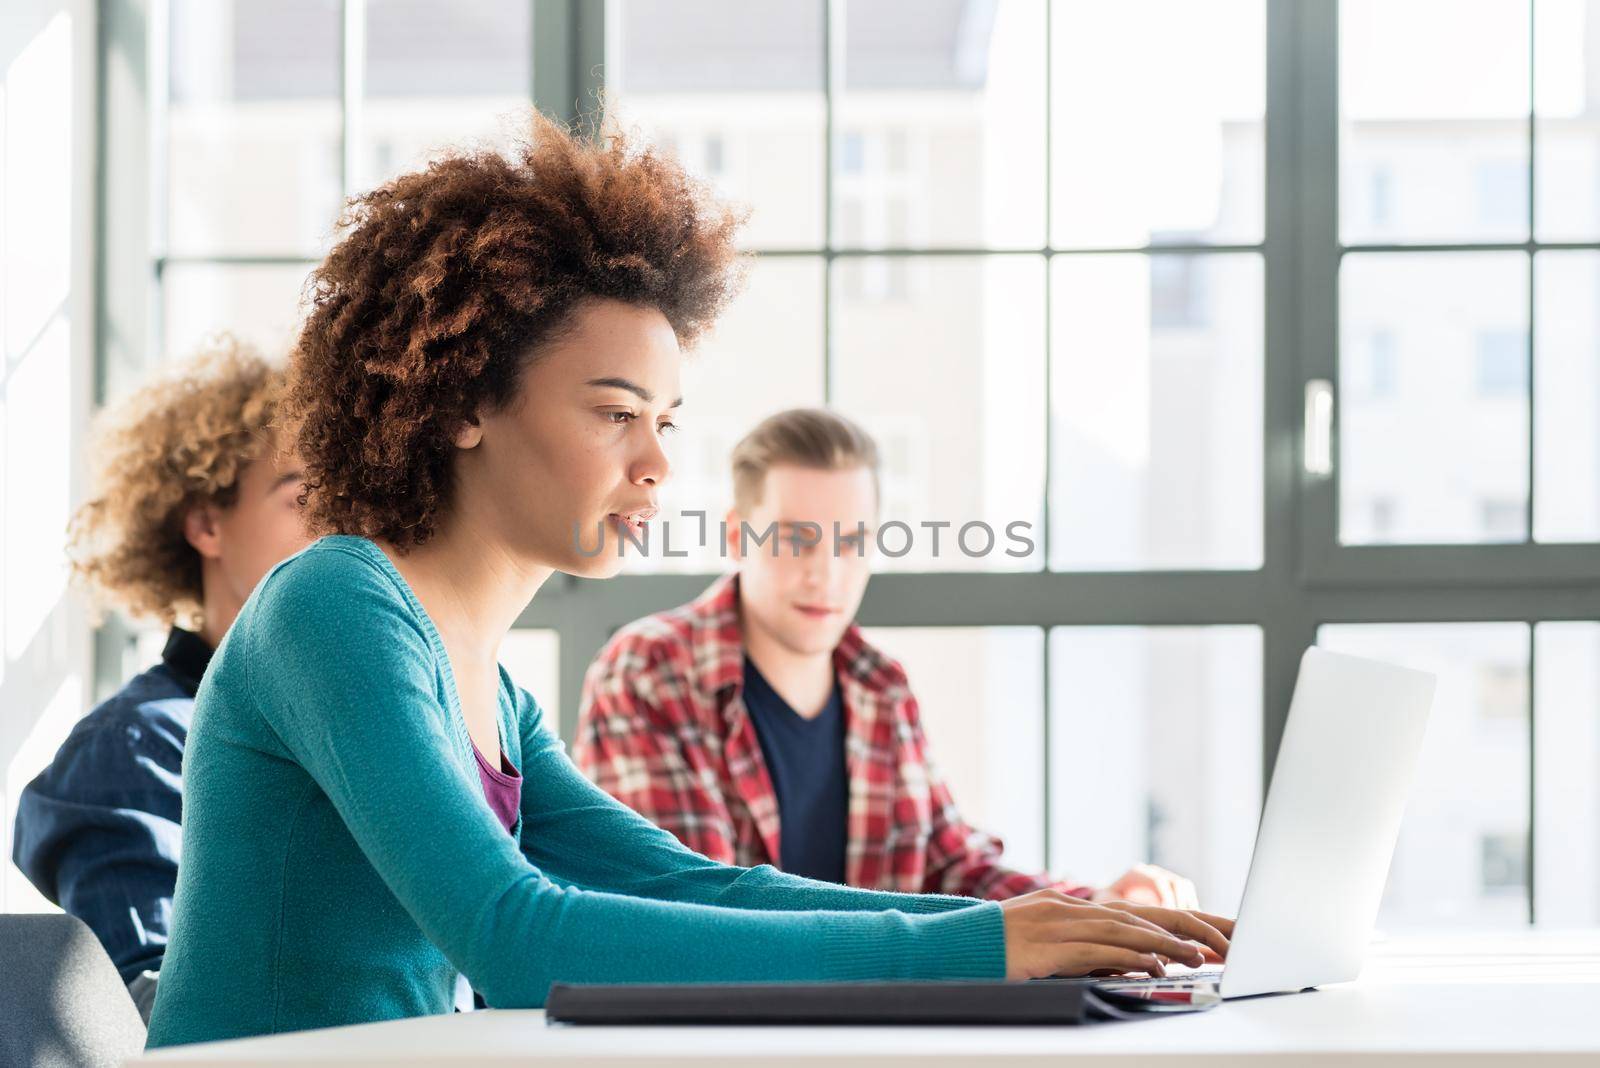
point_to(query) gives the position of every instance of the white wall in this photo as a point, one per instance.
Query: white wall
(47, 140)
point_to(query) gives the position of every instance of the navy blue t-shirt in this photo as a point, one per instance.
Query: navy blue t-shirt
(805, 758)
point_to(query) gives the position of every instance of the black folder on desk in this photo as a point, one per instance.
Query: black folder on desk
(921, 1003)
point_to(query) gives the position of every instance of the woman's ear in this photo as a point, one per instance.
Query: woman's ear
(468, 434)
(201, 530)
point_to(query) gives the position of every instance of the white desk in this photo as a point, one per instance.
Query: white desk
(1485, 999)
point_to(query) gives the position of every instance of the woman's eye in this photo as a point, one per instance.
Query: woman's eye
(669, 428)
(619, 418)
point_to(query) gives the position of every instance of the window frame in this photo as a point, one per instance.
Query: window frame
(1522, 568)
(1306, 578)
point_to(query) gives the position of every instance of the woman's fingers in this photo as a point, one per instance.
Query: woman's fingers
(1133, 919)
(1048, 933)
(1191, 926)
(1221, 923)
(1082, 959)
(1204, 932)
(1172, 922)
(1127, 936)
(1187, 924)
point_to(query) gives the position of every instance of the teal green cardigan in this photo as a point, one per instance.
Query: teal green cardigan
(340, 863)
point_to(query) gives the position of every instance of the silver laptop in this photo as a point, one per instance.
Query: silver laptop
(1327, 830)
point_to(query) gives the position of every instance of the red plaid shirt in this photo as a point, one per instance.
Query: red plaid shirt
(664, 729)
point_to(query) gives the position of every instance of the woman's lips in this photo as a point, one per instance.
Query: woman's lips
(812, 611)
(632, 521)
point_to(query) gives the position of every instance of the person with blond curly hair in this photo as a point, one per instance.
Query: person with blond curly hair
(192, 502)
(490, 366)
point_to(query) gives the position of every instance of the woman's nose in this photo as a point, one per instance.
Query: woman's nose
(653, 467)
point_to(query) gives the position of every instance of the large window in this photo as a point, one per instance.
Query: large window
(1467, 222)
(273, 113)
(980, 211)
(1075, 265)
(46, 330)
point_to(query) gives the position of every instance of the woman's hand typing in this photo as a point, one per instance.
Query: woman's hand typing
(1048, 933)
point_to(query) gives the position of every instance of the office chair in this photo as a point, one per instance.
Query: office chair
(62, 1002)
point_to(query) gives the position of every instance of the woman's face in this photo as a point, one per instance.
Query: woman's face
(577, 455)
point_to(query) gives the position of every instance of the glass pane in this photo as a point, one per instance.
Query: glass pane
(37, 195)
(533, 659)
(1157, 113)
(981, 694)
(1567, 787)
(1161, 728)
(1155, 402)
(764, 356)
(442, 75)
(733, 88)
(254, 119)
(1566, 445)
(942, 360)
(1433, 383)
(259, 304)
(1567, 120)
(1462, 856)
(39, 396)
(940, 125)
(1433, 140)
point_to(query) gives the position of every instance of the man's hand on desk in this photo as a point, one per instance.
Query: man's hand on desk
(1146, 884)
(1049, 933)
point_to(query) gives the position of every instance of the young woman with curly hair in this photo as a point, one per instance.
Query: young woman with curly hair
(191, 503)
(490, 364)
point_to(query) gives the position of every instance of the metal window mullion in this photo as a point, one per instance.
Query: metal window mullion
(1047, 795)
(1049, 283)
(287, 259)
(1533, 793)
(352, 87)
(1049, 401)
(1287, 624)
(1130, 599)
(98, 371)
(533, 59)
(958, 251)
(1532, 234)
(1532, 440)
(589, 50)
(832, 72)
(1533, 656)
(1529, 246)
(159, 86)
(555, 55)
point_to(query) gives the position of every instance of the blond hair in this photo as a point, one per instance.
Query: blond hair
(804, 437)
(180, 441)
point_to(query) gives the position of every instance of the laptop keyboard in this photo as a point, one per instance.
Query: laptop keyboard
(1209, 978)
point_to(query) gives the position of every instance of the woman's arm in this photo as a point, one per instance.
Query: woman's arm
(562, 810)
(344, 673)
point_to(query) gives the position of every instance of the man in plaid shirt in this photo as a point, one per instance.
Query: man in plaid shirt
(758, 725)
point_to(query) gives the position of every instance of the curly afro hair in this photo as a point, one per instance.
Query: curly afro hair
(179, 442)
(445, 284)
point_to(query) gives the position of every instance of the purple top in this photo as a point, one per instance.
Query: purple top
(502, 788)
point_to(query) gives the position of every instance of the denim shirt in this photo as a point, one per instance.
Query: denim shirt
(98, 830)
